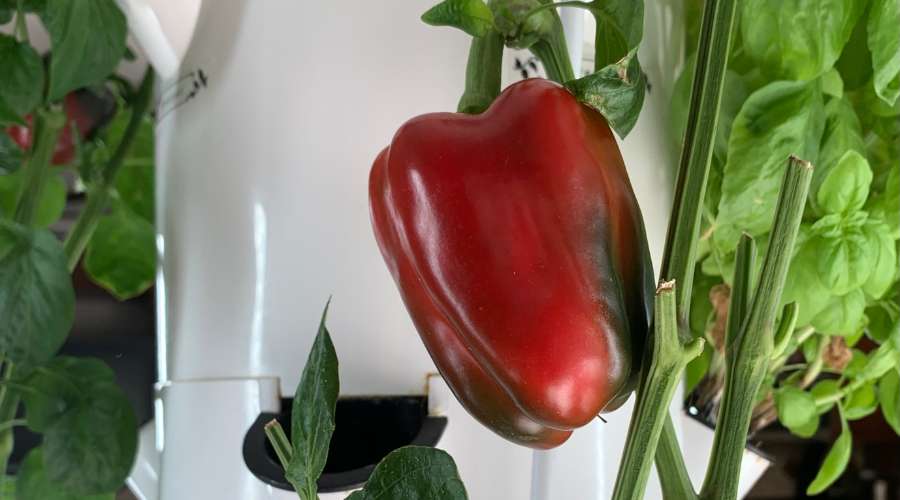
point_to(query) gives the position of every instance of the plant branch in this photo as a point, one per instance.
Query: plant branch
(482, 73)
(99, 193)
(657, 386)
(748, 366)
(47, 125)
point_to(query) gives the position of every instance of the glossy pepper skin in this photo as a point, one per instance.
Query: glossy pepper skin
(519, 250)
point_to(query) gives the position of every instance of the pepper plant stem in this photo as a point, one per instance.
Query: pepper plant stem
(99, 193)
(47, 125)
(753, 345)
(482, 73)
(657, 387)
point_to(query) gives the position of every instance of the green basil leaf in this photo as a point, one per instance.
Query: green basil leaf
(845, 187)
(808, 429)
(804, 287)
(87, 39)
(879, 362)
(832, 84)
(857, 364)
(889, 398)
(797, 39)
(50, 206)
(778, 120)
(90, 431)
(414, 473)
(885, 206)
(884, 271)
(855, 63)
(620, 27)
(37, 302)
(835, 461)
(616, 91)
(33, 483)
(795, 407)
(121, 254)
(884, 43)
(21, 80)
(312, 418)
(860, 403)
(827, 388)
(843, 133)
(882, 316)
(845, 256)
(472, 16)
(843, 315)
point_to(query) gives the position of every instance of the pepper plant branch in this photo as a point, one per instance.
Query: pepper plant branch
(482, 73)
(47, 125)
(99, 192)
(753, 345)
(657, 387)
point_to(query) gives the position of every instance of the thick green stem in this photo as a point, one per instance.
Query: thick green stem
(47, 125)
(482, 73)
(658, 384)
(99, 193)
(755, 342)
(554, 54)
(676, 483)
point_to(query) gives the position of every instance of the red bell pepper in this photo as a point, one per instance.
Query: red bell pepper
(519, 250)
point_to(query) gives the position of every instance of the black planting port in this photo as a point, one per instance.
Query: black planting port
(366, 429)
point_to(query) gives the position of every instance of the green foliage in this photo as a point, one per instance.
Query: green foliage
(620, 27)
(846, 187)
(34, 484)
(472, 16)
(796, 408)
(835, 461)
(121, 255)
(414, 473)
(50, 205)
(889, 397)
(21, 80)
(616, 91)
(884, 44)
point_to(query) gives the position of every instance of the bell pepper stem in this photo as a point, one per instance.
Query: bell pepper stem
(99, 193)
(658, 383)
(482, 73)
(754, 341)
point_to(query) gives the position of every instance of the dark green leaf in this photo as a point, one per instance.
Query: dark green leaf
(33, 483)
(88, 40)
(6, 15)
(835, 462)
(10, 155)
(828, 388)
(889, 398)
(842, 315)
(21, 80)
(50, 206)
(797, 39)
(616, 91)
(884, 43)
(845, 187)
(37, 302)
(860, 403)
(472, 16)
(312, 418)
(620, 27)
(121, 254)
(795, 407)
(778, 120)
(90, 431)
(414, 473)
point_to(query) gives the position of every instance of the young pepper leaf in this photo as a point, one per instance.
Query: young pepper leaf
(620, 27)
(414, 473)
(889, 398)
(884, 17)
(21, 80)
(312, 415)
(616, 91)
(835, 462)
(87, 39)
(121, 254)
(90, 431)
(37, 302)
(472, 16)
(32, 483)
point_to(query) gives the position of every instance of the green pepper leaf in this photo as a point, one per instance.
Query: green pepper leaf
(620, 27)
(795, 407)
(827, 388)
(50, 206)
(842, 315)
(414, 473)
(121, 254)
(312, 417)
(845, 254)
(90, 431)
(797, 39)
(616, 91)
(835, 461)
(845, 187)
(884, 43)
(33, 483)
(87, 39)
(21, 80)
(37, 302)
(861, 403)
(778, 120)
(889, 398)
(472, 16)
